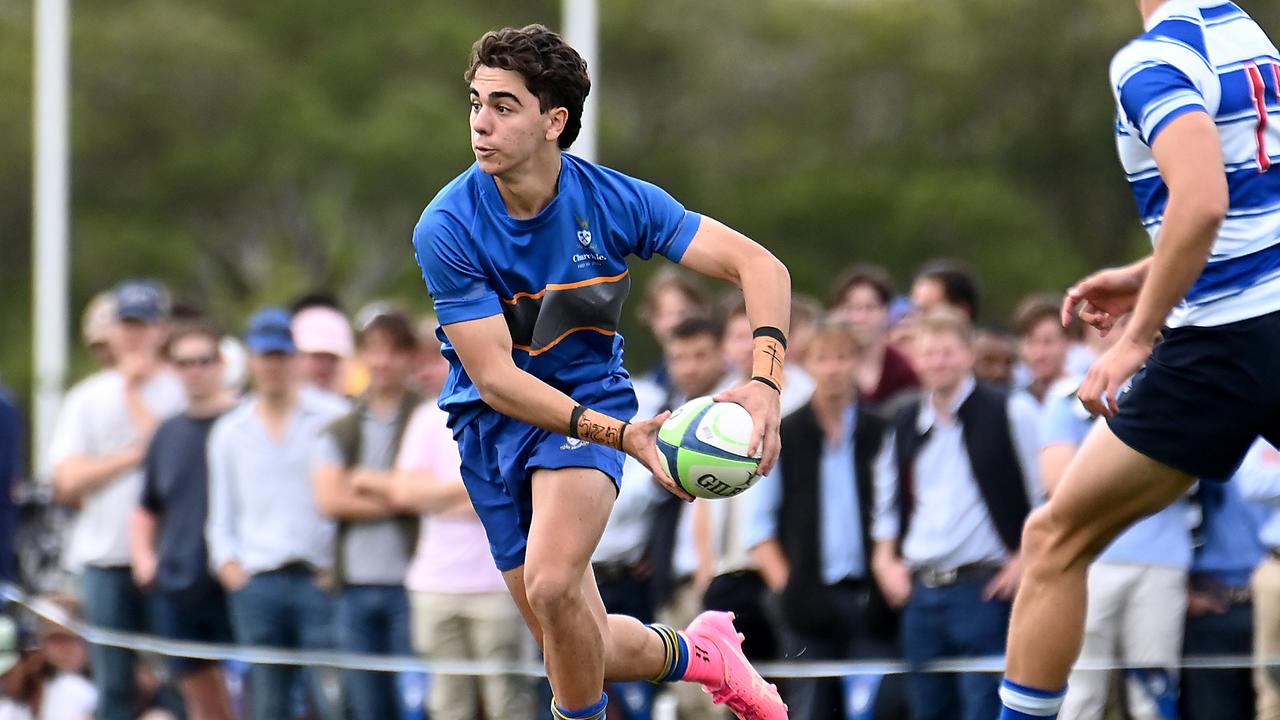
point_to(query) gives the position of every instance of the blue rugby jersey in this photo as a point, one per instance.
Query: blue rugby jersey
(1209, 56)
(559, 279)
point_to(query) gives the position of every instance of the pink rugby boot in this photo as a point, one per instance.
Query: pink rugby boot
(729, 678)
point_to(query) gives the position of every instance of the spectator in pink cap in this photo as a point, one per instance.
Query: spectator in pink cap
(325, 342)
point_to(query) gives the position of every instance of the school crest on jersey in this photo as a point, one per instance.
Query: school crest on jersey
(591, 256)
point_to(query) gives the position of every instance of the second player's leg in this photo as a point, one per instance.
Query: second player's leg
(1106, 488)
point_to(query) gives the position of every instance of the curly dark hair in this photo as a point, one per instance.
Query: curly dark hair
(553, 71)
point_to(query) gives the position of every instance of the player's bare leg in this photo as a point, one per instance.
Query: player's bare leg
(582, 644)
(1105, 489)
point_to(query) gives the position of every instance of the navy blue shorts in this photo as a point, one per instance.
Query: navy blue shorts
(201, 618)
(499, 455)
(1204, 396)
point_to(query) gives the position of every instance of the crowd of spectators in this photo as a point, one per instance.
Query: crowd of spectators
(294, 486)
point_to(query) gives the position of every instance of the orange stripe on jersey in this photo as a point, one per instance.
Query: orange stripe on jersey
(565, 286)
(565, 334)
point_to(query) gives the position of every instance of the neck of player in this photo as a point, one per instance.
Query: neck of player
(528, 189)
(1149, 7)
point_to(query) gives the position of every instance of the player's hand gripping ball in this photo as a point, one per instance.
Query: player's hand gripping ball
(704, 445)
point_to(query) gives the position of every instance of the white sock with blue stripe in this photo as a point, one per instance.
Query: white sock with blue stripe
(1020, 702)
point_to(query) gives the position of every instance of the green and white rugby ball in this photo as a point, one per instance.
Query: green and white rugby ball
(704, 445)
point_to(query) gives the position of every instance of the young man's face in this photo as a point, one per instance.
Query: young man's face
(862, 308)
(507, 124)
(127, 338)
(927, 293)
(1044, 349)
(670, 308)
(695, 364)
(993, 358)
(432, 369)
(199, 366)
(389, 366)
(273, 373)
(943, 359)
(321, 369)
(832, 364)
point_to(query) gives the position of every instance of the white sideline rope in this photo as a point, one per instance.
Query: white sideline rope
(381, 663)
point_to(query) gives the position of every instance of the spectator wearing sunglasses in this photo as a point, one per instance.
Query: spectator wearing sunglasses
(169, 559)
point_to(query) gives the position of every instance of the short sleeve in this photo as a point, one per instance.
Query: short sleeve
(70, 437)
(665, 227)
(327, 451)
(150, 500)
(458, 287)
(1064, 422)
(1155, 83)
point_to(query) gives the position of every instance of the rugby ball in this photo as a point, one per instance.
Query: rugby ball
(704, 446)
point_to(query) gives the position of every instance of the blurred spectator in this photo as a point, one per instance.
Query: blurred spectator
(1086, 345)
(1220, 605)
(861, 297)
(1042, 343)
(95, 327)
(461, 607)
(1137, 589)
(270, 545)
(809, 529)
(726, 574)
(623, 572)
(672, 295)
(11, 466)
(67, 693)
(682, 569)
(430, 368)
(374, 538)
(946, 283)
(738, 345)
(953, 485)
(325, 343)
(98, 444)
(43, 679)
(21, 673)
(1259, 481)
(806, 313)
(169, 554)
(994, 356)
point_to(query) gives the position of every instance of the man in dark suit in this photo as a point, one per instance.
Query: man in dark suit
(810, 526)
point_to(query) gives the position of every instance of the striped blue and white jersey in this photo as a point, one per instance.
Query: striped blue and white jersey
(1209, 56)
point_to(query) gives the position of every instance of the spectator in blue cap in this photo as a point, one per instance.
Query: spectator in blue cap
(268, 543)
(102, 432)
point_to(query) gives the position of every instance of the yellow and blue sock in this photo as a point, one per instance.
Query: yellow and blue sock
(595, 712)
(1019, 702)
(677, 654)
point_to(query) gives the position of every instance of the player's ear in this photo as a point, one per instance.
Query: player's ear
(557, 118)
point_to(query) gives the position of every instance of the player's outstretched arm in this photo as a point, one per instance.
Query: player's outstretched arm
(484, 347)
(1189, 154)
(721, 252)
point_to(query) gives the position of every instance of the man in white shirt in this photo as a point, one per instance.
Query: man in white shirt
(954, 483)
(98, 445)
(269, 544)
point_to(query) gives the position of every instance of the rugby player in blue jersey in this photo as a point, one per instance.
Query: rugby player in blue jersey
(1198, 129)
(525, 257)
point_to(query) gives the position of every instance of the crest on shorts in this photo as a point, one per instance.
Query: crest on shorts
(573, 444)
